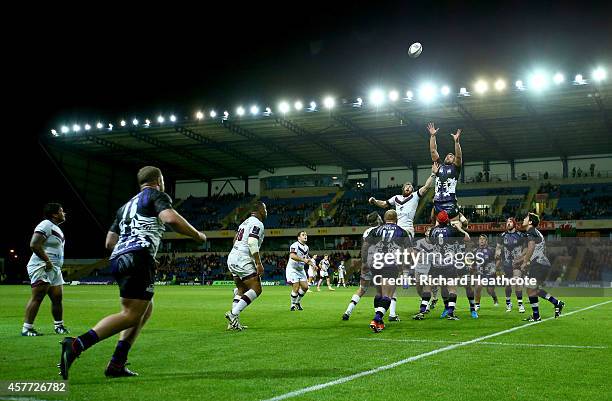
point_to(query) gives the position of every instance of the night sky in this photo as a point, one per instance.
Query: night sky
(115, 63)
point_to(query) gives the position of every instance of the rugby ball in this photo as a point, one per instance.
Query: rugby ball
(415, 50)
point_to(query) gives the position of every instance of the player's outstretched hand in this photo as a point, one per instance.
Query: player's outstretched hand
(432, 129)
(201, 237)
(435, 167)
(260, 270)
(371, 200)
(456, 135)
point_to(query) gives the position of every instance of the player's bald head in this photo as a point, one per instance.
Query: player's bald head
(390, 216)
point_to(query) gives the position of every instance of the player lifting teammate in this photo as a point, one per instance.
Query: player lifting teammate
(536, 265)
(133, 238)
(508, 255)
(244, 262)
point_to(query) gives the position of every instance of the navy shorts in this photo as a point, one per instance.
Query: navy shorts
(135, 274)
(450, 207)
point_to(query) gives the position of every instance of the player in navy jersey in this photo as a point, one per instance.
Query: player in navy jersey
(508, 255)
(383, 240)
(536, 265)
(133, 238)
(448, 175)
(485, 268)
(447, 240)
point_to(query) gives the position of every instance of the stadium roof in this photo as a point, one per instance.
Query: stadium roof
(514, 124)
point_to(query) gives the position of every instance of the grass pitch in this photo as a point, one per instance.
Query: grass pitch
(185, 352)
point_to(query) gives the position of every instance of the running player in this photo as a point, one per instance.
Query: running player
(384, 240)
(341, 273)
(244, 262)
(45, 270)
(536, 265)
(133, 238)
(485, 268)
(296, 276)
(324, 273)
(447, 177)
(508, 253)
(374, 220)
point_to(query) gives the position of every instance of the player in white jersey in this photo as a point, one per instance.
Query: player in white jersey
(312, 274)
(324, 273)
(341, 273)
(374, 220)
(295, 273)
(244, 263)
(407, 203)
(45, 269)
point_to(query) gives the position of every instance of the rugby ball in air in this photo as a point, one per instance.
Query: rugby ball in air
(415, 50)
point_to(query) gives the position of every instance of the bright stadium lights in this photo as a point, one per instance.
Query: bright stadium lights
(519, 85)
(377, 97)
(54, 132)
(481, 86)
(538, 81)
(313, 106)
(329, 102)
(161, 119)
(87, 127)
(135, 121)
(409, 95)
(445, 90)
(99, 125)
(110, 126)
(358, 102)
(213, 114)
(464, 92)
(558, 78)
(225, 115)
(427, 93)
(254, 110)
(123, 123)
(393, 95)
(283, 107)
(579, 80)
(76, 128)
(500, 85)
(240, 111)
(268, 111)
(147, 123)
(199, 115)
(599, 74)
(298, 105)
(173, 118)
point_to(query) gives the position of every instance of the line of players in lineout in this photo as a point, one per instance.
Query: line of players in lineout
(136, 232)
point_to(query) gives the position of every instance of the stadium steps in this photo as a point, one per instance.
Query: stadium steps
(79, 270)
(333, 207)
(239, 211)
(573, 269)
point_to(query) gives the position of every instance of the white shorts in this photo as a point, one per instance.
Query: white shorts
(311, 273)
(241, 266)
(422, 269)
(340, 276)
(38, 274)
(295, 276)
(324, 274)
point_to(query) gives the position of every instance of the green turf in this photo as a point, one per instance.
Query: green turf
(185, 353)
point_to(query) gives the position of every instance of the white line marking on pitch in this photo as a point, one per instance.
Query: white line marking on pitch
(484, 343)
(417, 357)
